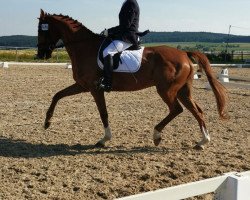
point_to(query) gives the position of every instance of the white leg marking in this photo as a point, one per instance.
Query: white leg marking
(206, 137)
(156, 135)
(107, 135)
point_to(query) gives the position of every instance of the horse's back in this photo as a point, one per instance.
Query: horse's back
(165, 55)
(167, 52)
(168, 62)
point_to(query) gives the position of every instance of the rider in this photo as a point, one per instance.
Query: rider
(122, 37)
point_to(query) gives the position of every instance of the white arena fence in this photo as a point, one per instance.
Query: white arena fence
(230, 186)
(223, 76)
(8, 64)
(63, 64)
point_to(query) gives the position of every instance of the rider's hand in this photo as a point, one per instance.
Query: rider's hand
(105, 33)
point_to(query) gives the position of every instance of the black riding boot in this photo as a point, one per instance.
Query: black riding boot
(106, 80)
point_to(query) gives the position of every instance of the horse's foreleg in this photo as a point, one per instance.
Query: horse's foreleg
(101, 105)
(174, 110)
(71, 90)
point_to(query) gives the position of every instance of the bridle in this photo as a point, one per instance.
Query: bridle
(46, 47)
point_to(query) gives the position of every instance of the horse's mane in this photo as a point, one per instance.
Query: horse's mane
(73, 24)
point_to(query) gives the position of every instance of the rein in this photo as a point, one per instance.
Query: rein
(70, 43)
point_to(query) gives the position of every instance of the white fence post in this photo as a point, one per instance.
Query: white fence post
(231, 186)
(225, 80)
(236, 187)
(69, 66)
(5, 65)
(223, 76)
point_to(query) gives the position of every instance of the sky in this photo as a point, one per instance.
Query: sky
(19, 17)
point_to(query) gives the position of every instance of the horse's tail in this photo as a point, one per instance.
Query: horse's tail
(218, 89)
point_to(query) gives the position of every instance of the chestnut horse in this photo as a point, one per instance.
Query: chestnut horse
(168, 69)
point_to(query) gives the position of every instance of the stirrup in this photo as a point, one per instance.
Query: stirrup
(102, 86)
(106, 88)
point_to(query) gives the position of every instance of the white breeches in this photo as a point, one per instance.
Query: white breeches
(115, 46)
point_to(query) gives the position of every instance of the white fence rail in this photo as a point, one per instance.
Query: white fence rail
(230, 65)
(63, 64)
(69, 66)
(231, 186)
(7, 64)
(33, 64)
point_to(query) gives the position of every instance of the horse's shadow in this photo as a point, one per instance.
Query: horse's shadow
(22, 149)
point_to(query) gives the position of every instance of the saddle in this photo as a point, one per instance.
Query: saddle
(132, 55)
(126, 61)
(116, 57)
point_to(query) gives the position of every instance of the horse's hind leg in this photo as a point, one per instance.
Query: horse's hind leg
(169, 97)
(69, 91)
(184, 96)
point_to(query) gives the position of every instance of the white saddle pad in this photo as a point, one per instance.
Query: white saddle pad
(131, 61)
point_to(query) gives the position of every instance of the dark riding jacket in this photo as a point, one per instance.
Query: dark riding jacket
(128, 23)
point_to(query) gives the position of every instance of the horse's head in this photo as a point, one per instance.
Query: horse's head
(48, 36)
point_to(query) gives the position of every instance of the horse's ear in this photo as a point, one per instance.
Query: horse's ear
(42, 14)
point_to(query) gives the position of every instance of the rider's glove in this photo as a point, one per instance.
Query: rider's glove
(105, 33)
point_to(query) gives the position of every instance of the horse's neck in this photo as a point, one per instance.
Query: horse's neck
(74, 33)
(82, 35)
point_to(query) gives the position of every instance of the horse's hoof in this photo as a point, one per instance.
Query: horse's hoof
(198, 147)
(99, 145)
(157, 141)
(46, 125)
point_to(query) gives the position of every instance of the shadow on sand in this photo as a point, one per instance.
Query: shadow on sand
(23, 149)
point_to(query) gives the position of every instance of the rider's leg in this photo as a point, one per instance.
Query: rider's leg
(116, 46)
(106, 82)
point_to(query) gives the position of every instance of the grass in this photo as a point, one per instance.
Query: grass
(205, 46)
(28, 55)
(62, 56)
(216, 48)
